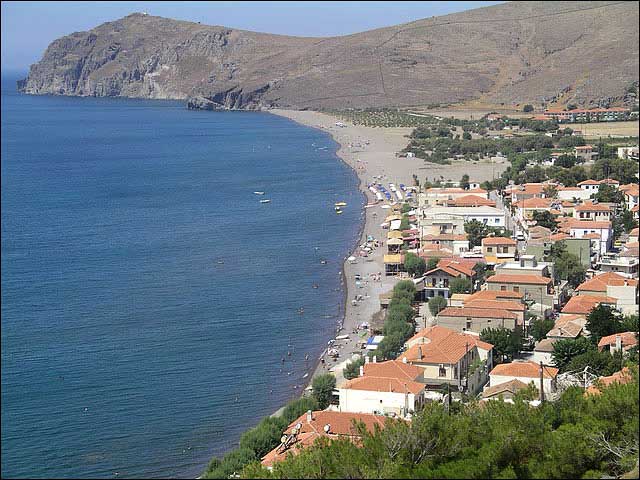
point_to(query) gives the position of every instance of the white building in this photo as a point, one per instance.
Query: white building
(580, 229)
(526, 372)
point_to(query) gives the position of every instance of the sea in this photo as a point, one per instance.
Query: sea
(148, 296)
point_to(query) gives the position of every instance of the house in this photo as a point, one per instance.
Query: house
(474, 319)
(527, 191)
(457, 243)
(630, 192)
(567, 326)
(390, 387)
(591, 186)
(615, 286)
(506, 390)
(618, 342)
(585, 152)
(583, 304)
(437, 281)
(470, 201)
(525, 372)
(499, 249)
(625, 265)
(581, 228)
(571, 193)
(449, 358)
(593, 211)
(309, 427)
(622, 377)
(526, 208)
(393, 263)
(438, 220)
(515, 307)
(628, 152)
(536, 288)
(587, 115)
(433, 197)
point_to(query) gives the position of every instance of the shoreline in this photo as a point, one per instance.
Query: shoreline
(359, 148)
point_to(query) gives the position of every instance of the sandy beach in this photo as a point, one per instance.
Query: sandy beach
(372, 152)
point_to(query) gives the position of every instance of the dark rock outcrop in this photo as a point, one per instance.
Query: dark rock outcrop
(580, 52)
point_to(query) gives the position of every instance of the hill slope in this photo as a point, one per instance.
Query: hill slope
(585, 52)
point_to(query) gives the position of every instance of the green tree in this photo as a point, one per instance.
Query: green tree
(475, 231)
(404, 289)
(540, 327)
(404, 223)
(567, 265)
(414, 265)
(460, 285)
(609, 194)
(466, 136)
(323, 386)
(602, 321)
(565, 350)
(527, 108)
(352, 370)
(464, 182)
(391, 345)
(599, 363)
(432, 263)
(506, 343)
(545, 219)
(565, 161)
(405, 208)
(437, 304)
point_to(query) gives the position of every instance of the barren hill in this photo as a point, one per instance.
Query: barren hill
(583, 52)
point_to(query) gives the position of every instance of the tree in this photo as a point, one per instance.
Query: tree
(404, 289)
(323, 386)
(567, 265)
(602, 321)
(437, 304)
(414, 265)
(391, 345)
(546, 219)
(460, 285)
(464, 182)
(565, 161)
(565, 350)
(540, 327)
(506, 343)
(527, 108)
(550, 190)
(599, 363)
(627, 221)
(609, 194)
(404, 223)
(432, 263)
(466, 136)
(405, 208)
(352, 370)
(475, 231)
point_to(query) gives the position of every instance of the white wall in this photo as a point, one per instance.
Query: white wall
(549, 386)
(365, 401)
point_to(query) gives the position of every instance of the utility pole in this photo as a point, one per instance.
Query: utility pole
(541, 382)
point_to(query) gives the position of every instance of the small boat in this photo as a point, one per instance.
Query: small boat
(265, 201)
(340, 204)
(305, 375)
(323, 262)
(339, 212)
(259, 193)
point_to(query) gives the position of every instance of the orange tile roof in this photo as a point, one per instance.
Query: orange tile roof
(575, 223)
(523, 369)
(471, 201)
(447, 270)
(627, 339)
(592, 207)
(392, 369)
(629, 186)
(512, 386)
(460, 265)
(529, 279)
(609, 181)
(622, 377)
(498, 241)
(592, 236)
(495, 295)
(558, 236)
(600, 282)
(383, 384)
(589, 182)
(437, 333)
(583, 304)
(477, 312)
(341, 426)
(493, 304)
(535, 203)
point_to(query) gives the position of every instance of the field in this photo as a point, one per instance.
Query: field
(605, 129)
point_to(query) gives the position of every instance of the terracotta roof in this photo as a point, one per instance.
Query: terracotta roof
(512, 386)
(476, 312)
(600, 282)
(447, 270)
(529, 279)
(495, 295)
(630, 187)
(592, 236)
(592, 207)
(523, 369)
(502, 305)
(392, 369)
(470, 201)
(341, 426)
(498, 241)
(583, 304)
(575, 223)
(459, 265)
(622, 377)
(558, 236)
(589, 182)
(535, 203)
(383, 384)
(627, 339)
(441, 345)
(609, 181)
(570, 329)
(545, 345)
(635, 232)
(574, 189)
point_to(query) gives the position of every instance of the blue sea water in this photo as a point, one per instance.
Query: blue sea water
(126, 346)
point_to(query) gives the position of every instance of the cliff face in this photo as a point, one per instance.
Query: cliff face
(583, 52)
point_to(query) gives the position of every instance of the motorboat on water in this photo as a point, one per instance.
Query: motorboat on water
(340, 204)
(265, 201)
(259, 193)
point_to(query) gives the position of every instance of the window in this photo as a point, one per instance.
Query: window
(516, 288)
(442, 372)
(469, 324)
(497, 220)
(503, 288)
(489, 249)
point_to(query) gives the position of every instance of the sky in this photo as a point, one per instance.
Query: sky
(29, 27)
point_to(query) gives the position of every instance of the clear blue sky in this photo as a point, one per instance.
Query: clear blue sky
(29, 27)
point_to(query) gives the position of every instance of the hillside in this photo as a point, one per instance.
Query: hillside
(537, 52)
